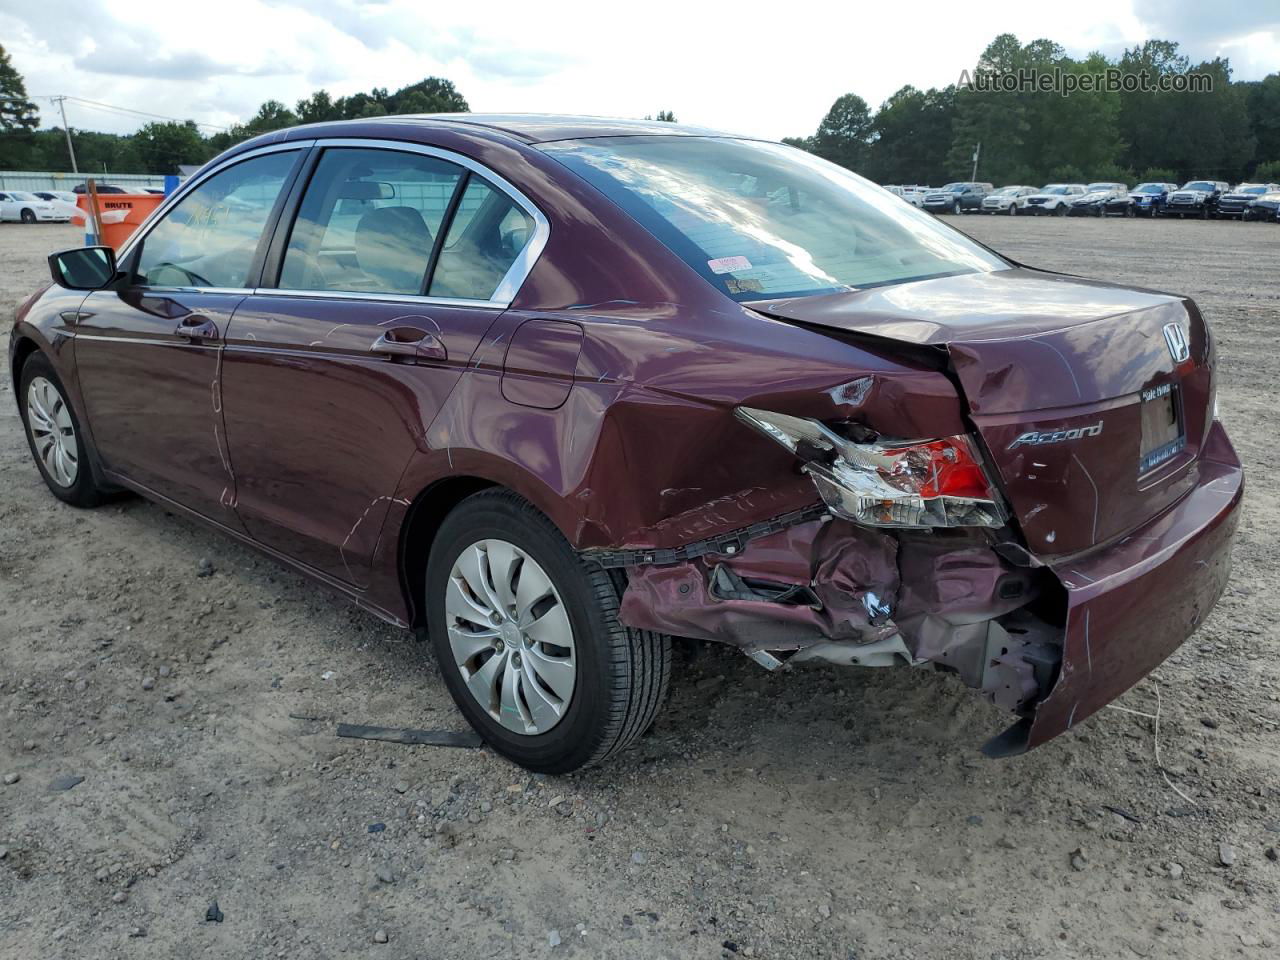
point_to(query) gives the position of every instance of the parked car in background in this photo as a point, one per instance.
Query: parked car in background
(1005, 200)
(102, 188)
(1235, 203)
(17, 205)
(1093, 202)
(64, 196)
(1149, 199)
(914, 195)
(1052, 198)
(1264, 207)
(957, 197)
(574, 386)
(1196, 198)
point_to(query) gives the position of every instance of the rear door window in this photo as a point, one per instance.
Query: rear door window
(486, 236)
(368, 221)
(211, 236)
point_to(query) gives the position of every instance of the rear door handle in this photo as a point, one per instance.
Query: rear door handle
(197, 327)
(411, 343)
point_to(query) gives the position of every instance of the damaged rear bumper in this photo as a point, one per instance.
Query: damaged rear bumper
(1052, 643)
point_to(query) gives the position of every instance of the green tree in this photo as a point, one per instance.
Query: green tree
(1268, 172)
(19, 117)
(998, 120)
(1263, 103)
(666, 116)
(844, 135)
(803, 143)
(272, 115)
(162, 146)
(1158, 175)
(911, 136)
(430, 95)
(1081, 129)
(317, 108)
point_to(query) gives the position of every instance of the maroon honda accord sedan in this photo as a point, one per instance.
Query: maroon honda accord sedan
(559, 389)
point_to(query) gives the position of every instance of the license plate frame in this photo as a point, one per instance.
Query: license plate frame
(1164, 432)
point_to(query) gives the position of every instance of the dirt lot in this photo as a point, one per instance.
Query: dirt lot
(833, 814)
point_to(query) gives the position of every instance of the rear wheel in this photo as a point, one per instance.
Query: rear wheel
(955, 208)
(28, 216)
(529, 642)
(54, 435)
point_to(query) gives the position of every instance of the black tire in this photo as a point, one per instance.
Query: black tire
(28, 216)
(83, 491)
(1013, 209)
(956, 209)
(1060, 210)
(622, 673)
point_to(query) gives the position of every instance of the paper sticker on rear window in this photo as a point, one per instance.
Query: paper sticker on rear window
(729, 264)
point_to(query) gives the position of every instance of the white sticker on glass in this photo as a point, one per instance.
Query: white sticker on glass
(729, 264)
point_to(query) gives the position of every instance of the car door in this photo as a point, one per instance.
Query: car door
(147, 349)
(397, 262)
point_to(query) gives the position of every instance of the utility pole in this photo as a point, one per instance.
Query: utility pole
(977, 151)
(62, 105)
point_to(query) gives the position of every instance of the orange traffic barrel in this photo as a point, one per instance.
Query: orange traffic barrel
(122, 213)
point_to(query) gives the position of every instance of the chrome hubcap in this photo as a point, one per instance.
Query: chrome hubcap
(510, 636)
(52, 432)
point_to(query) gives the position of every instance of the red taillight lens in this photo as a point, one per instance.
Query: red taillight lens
(948, 469)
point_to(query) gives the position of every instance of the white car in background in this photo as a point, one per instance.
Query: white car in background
(17, 205)
(1006, 200)
(914, 195)
(65, 196)
(1052, 198)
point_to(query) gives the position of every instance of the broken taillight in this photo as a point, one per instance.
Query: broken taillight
(926, 483)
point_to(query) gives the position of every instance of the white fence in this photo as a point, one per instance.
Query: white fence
(43, 180)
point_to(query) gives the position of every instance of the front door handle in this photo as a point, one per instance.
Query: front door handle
(411, 343)
(196, 327)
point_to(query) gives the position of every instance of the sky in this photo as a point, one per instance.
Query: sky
(762, 69)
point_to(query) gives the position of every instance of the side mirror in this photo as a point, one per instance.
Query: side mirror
(85, 268)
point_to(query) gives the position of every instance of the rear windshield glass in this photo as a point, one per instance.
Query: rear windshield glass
(762, 220)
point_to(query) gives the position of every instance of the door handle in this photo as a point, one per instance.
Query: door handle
(196, 327)
(413, 344)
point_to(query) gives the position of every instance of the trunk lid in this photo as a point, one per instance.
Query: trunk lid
(1092, 400)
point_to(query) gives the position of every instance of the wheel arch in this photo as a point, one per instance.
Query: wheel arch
(23, 348)
(422, 520)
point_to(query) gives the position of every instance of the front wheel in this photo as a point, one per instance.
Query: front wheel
(1060, 210)
(54, 435)
(529, 642)
(955, 208)
(1013, 209)
(28, 216)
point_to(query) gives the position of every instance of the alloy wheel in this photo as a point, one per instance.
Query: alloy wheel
(510, 636)
(52, 431)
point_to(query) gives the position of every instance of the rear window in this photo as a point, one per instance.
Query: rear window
(762, 220)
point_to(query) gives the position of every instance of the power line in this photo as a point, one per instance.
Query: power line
(111, 107)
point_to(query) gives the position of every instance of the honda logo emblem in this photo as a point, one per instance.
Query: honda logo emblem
(1179, 349)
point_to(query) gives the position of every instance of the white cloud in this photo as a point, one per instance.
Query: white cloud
(768, 69)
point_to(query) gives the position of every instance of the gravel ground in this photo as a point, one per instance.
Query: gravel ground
(195, 687)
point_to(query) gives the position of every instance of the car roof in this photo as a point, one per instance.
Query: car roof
(540, 127)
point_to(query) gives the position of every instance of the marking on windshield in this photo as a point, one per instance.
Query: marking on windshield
(729, 264)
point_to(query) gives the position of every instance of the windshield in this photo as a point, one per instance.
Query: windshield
(1251, 190)
(762, 220)
(1055, 188)
(1149, 188)
(1098, 187)
(1199, 185)
(1005, 191)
